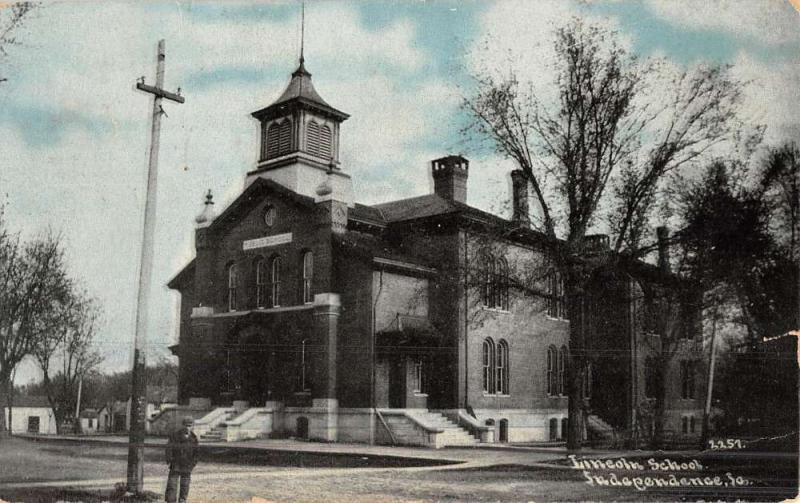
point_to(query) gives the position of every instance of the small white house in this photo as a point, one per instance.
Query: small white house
(89, 421)
(31, 414)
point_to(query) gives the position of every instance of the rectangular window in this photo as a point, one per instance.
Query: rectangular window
(303, 377)
(650, 377)
(685, 424)
(33, 424)
(556, 296)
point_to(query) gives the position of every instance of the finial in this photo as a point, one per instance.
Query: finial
(204, 219)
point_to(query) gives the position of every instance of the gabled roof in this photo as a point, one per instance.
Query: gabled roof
(416, 207)
(30, 401)
(250, 197)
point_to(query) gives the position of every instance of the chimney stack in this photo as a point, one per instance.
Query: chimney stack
(519, 189)
(450, 177)
(662, 234)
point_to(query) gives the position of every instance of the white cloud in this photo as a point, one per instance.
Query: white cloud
(770, 21)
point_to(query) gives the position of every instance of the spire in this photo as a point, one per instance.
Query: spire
(302, 31)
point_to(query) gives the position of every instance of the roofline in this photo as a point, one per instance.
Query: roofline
(278, 108)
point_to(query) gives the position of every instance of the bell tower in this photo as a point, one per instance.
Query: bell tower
(299, 145)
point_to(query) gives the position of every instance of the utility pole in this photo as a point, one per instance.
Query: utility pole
(139, 382)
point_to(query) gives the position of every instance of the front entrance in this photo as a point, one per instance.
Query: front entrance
(397, 383)
(33, 424)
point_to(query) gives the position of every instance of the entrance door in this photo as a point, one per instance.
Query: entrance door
(397, 384)
(33, 424)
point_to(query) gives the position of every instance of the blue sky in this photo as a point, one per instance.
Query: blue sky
(75, 132)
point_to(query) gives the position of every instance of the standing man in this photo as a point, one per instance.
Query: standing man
(181, 458)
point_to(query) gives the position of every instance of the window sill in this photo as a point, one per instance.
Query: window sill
(497, 395)
(420, 395)
(551, 318)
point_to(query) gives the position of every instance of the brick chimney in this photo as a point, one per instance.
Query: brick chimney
(450, 177)
(662, 234)
(519, 189)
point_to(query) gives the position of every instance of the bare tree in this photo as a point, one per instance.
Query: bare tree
(606, 115)
(66, 336)
(12, 17)
(33, 281)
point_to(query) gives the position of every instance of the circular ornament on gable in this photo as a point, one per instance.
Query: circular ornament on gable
(269, 215)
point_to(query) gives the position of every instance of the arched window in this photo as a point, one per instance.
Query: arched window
(562, 364)
(261, 282)
(488, 365)
(233, 283)
(308, 277)
(275, 282)
(552, 362)
(501, 368)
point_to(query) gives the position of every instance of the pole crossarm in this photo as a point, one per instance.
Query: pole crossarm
(160, 92)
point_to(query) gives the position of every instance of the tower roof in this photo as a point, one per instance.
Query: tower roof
(301, 90)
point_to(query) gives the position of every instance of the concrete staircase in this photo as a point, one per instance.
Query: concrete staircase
(216, 433)
(425, 428)
(600, 433)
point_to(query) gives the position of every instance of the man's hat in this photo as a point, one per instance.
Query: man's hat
(188, 421)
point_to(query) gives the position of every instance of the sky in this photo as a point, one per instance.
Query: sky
(74, 132)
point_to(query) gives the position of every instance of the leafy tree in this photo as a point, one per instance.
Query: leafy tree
(613, 118)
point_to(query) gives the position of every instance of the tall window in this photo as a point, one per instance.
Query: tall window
(488, 281)
(650, 377)
(495, 367)
(556, 296)
(587, 381)
(488, 365)
(233, 283)
(261, 283)
(275, 282)
(308, 277)
(562, 365)
(552, 362)
(303, 381)
(418, 384)
(501, 368)
(687, 379)
(495, 283)
(501, 282)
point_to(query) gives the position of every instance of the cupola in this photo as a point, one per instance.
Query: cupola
(299, 140)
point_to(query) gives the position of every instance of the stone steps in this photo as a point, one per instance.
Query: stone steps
(406, 431)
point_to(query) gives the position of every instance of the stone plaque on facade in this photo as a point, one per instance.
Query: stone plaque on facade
(266, 241)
